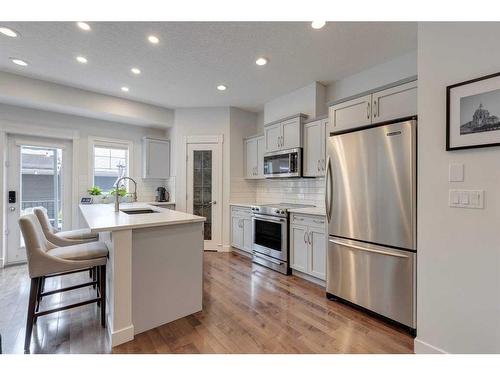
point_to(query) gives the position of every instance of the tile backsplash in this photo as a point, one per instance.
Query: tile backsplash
(303, 190)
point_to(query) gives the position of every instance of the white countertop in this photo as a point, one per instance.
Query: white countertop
(243, 204)
(103, 218)
(159, 204)
(319, 211)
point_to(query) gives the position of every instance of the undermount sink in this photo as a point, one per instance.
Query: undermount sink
(139, 211)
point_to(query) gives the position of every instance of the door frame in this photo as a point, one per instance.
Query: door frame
(13, 182)
(31, 129)
(218, 141)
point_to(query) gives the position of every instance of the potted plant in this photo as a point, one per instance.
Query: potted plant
(122, 192)
(94, 192)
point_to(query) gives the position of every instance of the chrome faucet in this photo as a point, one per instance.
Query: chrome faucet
(117, 198)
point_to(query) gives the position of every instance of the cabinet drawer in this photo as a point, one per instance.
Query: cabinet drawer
(241, 210)
(310, 220)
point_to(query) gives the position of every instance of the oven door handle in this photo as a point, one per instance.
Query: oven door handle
(269, 218)
(269, 259)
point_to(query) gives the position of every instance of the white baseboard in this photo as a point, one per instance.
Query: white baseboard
(310, 278)
(240, 252)
(121, 336)
(421, 347)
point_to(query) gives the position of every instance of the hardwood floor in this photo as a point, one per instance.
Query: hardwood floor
(246, 309)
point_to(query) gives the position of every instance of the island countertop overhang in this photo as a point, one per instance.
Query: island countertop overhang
(103, 218)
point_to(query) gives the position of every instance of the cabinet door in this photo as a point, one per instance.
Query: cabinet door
(272, 135)
(394, 103)
(317, 253)
(299, 247)
(237, 232)
(260, 157)
(291, 134)
(251, 158)
(351, 114)
(325, 132)
(313, 149)
(247, 234)
(157, 155)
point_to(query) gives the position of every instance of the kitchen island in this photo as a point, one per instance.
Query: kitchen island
(155, 266)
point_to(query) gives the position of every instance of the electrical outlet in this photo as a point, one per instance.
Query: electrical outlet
(466, 198)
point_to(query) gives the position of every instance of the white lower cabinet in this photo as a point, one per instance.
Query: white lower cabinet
(241, 228)
(308, 245)
(298, 243)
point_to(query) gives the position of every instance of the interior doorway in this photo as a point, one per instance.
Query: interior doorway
(38, 175)
(204, 188)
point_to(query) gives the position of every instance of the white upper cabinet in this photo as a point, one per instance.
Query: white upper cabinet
(155, 158)
(315, 134)
(396, 102)
(291, 133)
(254, 157)
(379, 106)
(260, 157)
(351, 114)
(272, 134)
(283, 135)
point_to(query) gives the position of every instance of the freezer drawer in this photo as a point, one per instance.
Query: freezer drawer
(374, 277)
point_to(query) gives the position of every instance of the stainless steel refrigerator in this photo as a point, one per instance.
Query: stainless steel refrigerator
(371, 210)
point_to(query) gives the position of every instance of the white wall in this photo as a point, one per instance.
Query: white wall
(200, 121)
(458, 285)
(88, 127)
(391, 71)
(33, 93)
(303, 100)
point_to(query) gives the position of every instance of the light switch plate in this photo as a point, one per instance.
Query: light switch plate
(456, 172)
(466, 198)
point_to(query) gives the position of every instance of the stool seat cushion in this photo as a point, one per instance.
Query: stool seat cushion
(77, 234)
(85, 251)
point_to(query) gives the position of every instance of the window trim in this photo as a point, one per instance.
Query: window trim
(108, 142)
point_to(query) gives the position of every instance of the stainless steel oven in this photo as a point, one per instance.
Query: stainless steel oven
(286, 163)
(270, 241)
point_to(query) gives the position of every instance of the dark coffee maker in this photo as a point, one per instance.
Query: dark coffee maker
(161, 194)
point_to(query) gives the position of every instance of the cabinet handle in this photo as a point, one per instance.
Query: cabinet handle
(368, 111)
(375, 111)
(318, 166)
(319, 221)
(305, 240)
(309, 236)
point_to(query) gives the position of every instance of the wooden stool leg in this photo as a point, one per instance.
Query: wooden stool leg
(34, 288)
(94, 274)
(102, 289)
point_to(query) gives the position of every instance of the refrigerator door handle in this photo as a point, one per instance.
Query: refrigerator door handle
(328, 189)
(362, 248)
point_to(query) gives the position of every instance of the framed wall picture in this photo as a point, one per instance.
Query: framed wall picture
(473, 113)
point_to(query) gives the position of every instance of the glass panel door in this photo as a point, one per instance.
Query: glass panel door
(41, 182)
(202, 188)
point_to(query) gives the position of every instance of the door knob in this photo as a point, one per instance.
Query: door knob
(12, 208)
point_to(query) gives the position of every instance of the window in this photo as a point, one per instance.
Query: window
(110, 162)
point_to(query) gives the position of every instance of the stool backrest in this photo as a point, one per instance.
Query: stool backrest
(43, 218)
(36, 243)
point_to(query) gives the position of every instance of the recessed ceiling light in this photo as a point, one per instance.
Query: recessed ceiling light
(318, 24)
(18, 61)
(222, 87)
(153, 39)
(125, 89)
(136, 70)
(8, 32)
(261, 61)
(81, 59)
(83, 25)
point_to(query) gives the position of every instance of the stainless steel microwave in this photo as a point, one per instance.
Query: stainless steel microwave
(286, 163)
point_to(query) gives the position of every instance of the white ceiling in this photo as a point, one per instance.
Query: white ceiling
(192, 58)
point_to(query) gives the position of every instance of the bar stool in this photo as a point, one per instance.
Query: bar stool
(47, 260)
(66, 238)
